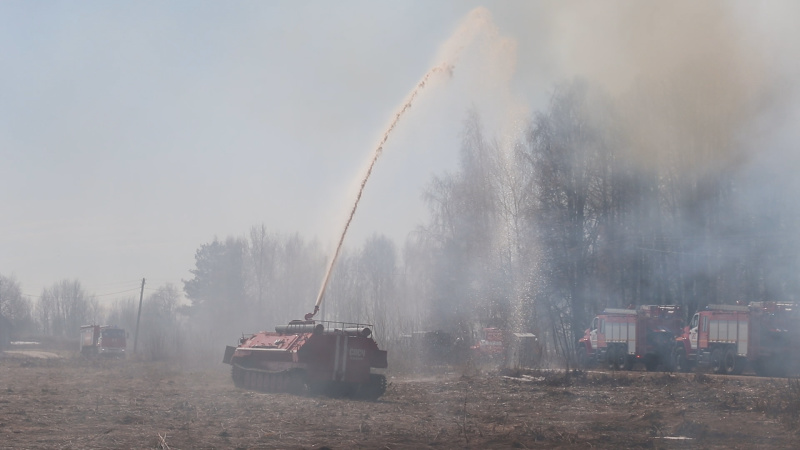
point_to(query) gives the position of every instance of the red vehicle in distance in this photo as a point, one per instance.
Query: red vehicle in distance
(621, 338)
(103, 340)
(763, 336)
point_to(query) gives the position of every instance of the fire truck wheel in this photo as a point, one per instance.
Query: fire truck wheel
(716, 361)
(611, 355)
(617, 358)
(729, 362)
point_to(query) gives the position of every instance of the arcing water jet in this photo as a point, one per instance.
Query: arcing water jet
(441, 68)
(477, 22)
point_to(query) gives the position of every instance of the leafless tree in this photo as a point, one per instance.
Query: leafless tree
(262, 254)
(378, 269)
(64, 307)
(15, 310)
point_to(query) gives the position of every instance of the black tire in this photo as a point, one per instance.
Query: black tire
(617, 358)
(729, 361)
(611, 357)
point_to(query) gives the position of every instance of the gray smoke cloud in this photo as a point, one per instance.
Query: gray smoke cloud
(698, 80)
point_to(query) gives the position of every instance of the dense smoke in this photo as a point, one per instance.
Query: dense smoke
(648, 177)
(693, 82)
(699, 94)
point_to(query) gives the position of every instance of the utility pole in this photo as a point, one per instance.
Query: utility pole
(138, 316)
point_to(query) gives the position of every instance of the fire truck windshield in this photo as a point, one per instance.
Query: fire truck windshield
(113, 333)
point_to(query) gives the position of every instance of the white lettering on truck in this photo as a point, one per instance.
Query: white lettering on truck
(357, 353)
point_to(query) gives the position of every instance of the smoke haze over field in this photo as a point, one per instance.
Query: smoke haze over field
(132, 133)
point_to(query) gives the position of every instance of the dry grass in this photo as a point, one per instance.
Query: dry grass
(80, 403)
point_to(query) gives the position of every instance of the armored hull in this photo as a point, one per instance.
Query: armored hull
(316, 357)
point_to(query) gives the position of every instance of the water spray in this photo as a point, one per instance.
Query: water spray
(441, 68)
(477, 22)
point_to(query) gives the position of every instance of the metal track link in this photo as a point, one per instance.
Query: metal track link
(294, 382)
(265, 381)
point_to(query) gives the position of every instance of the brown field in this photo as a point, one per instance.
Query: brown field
(72, 402)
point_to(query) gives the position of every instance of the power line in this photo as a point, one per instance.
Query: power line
(92, 295)
(115, 293)
(672, 251)
(112, 284)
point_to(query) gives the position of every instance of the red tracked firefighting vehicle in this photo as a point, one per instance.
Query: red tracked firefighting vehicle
(729, 338)
(622, 337)
(332, 358)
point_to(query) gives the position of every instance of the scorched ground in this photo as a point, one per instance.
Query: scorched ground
(72, 402)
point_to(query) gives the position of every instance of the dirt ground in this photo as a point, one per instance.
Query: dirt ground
(72, 402)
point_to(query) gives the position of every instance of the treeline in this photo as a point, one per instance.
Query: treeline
(584, 213)
(61, 309)
(600, 202)
(252, 283)
(538, 234)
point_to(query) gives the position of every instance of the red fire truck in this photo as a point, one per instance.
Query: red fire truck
(103, 340)
(729, 338)
(489, 345)
(623, 337)
(498, 346)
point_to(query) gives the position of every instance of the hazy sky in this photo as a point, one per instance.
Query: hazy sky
(133, 132)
